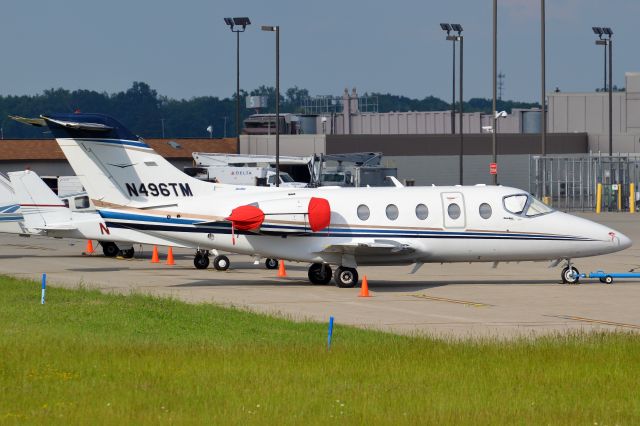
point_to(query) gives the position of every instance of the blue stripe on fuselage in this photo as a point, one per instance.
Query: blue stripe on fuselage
(117, 142)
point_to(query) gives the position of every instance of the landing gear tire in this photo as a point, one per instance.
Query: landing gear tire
(607, 280)
(271, 263)
(346, 277)
(320, 273)
(201, 261)
(110, 249)
(128, 253)
(221, 263)
(570, 275)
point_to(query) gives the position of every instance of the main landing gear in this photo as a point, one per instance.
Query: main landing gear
(201, 259)
(271, 263)
(320, 273)
(111, 249)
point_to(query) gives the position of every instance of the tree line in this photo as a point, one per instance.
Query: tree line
(150, 115)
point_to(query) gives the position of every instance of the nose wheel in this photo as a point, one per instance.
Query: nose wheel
(570, 275)
(221, 263)
(271, 263)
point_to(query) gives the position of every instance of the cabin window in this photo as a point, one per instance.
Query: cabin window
(392, 212)
(422, 211)
(363, 212)
(454, 211)
(82, 202)
(485, 211)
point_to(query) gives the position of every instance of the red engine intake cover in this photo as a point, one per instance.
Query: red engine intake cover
(246, 218)
(319, 214)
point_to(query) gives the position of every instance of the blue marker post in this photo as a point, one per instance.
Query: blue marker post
(44, 288)
(330, 333)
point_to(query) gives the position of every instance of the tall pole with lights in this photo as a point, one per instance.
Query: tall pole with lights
(601, 32)
(448, 29)
(276, 29)
(237, 25)
(495, 89)
(454, 38)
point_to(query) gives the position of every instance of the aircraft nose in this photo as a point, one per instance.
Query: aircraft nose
(622, 240)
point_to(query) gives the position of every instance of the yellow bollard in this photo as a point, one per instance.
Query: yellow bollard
(632, 198)
(598, 198)
(619, 197)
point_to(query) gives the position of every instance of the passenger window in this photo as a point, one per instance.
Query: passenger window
(422, 212)
(454, 211)
(363, 212)
(485, 211)
(82, 202)
(515, 203)
(392, 211)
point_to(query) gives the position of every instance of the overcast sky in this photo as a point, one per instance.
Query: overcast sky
(184, 49)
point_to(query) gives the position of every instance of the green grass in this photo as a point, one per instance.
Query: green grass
(87, 357)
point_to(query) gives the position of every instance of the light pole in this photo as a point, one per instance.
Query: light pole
(454, 38)
(276, 29)
(600, 32)
(448, 29)
(237, 25)
(543, 97)
(495, 84)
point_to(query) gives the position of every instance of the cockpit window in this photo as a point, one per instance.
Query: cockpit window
(525, 205)
(537, 207)
(515, 203)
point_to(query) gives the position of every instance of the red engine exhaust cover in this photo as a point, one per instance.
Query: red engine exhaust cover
(319, 214)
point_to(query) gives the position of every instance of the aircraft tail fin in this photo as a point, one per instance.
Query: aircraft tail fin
(39, 205)
(117, 167)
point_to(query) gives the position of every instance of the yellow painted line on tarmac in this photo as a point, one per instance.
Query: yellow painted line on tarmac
(444, 299)
(597, 321)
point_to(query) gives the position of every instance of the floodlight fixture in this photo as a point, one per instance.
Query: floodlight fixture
(607, 31)
(234, 23)
(446, 27)
(269, 28)
(597, 31)
(457, 27)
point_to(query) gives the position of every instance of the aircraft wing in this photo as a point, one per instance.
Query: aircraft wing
(374, 247)
(56, 228)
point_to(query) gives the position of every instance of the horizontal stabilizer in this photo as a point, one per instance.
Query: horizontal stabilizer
(38, 122)
(92, 127)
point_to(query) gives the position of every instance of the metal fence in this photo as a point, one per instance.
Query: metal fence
(570, 183)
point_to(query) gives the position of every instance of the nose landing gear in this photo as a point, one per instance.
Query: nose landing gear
(570, 274)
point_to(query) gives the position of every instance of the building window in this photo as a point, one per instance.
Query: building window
(485, 211)
(454, 211)
(392, 211)
(422, 211)
(363, 212)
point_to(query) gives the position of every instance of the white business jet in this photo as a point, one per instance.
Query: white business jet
(133, 187)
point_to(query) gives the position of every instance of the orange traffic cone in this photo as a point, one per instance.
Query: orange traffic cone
(89, 249)
(170, 260)
(364, 290)
(154, 256)
(281, 271)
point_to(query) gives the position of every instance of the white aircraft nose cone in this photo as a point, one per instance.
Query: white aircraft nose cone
(622, 240)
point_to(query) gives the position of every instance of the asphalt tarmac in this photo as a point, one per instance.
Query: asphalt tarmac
(450, 300)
